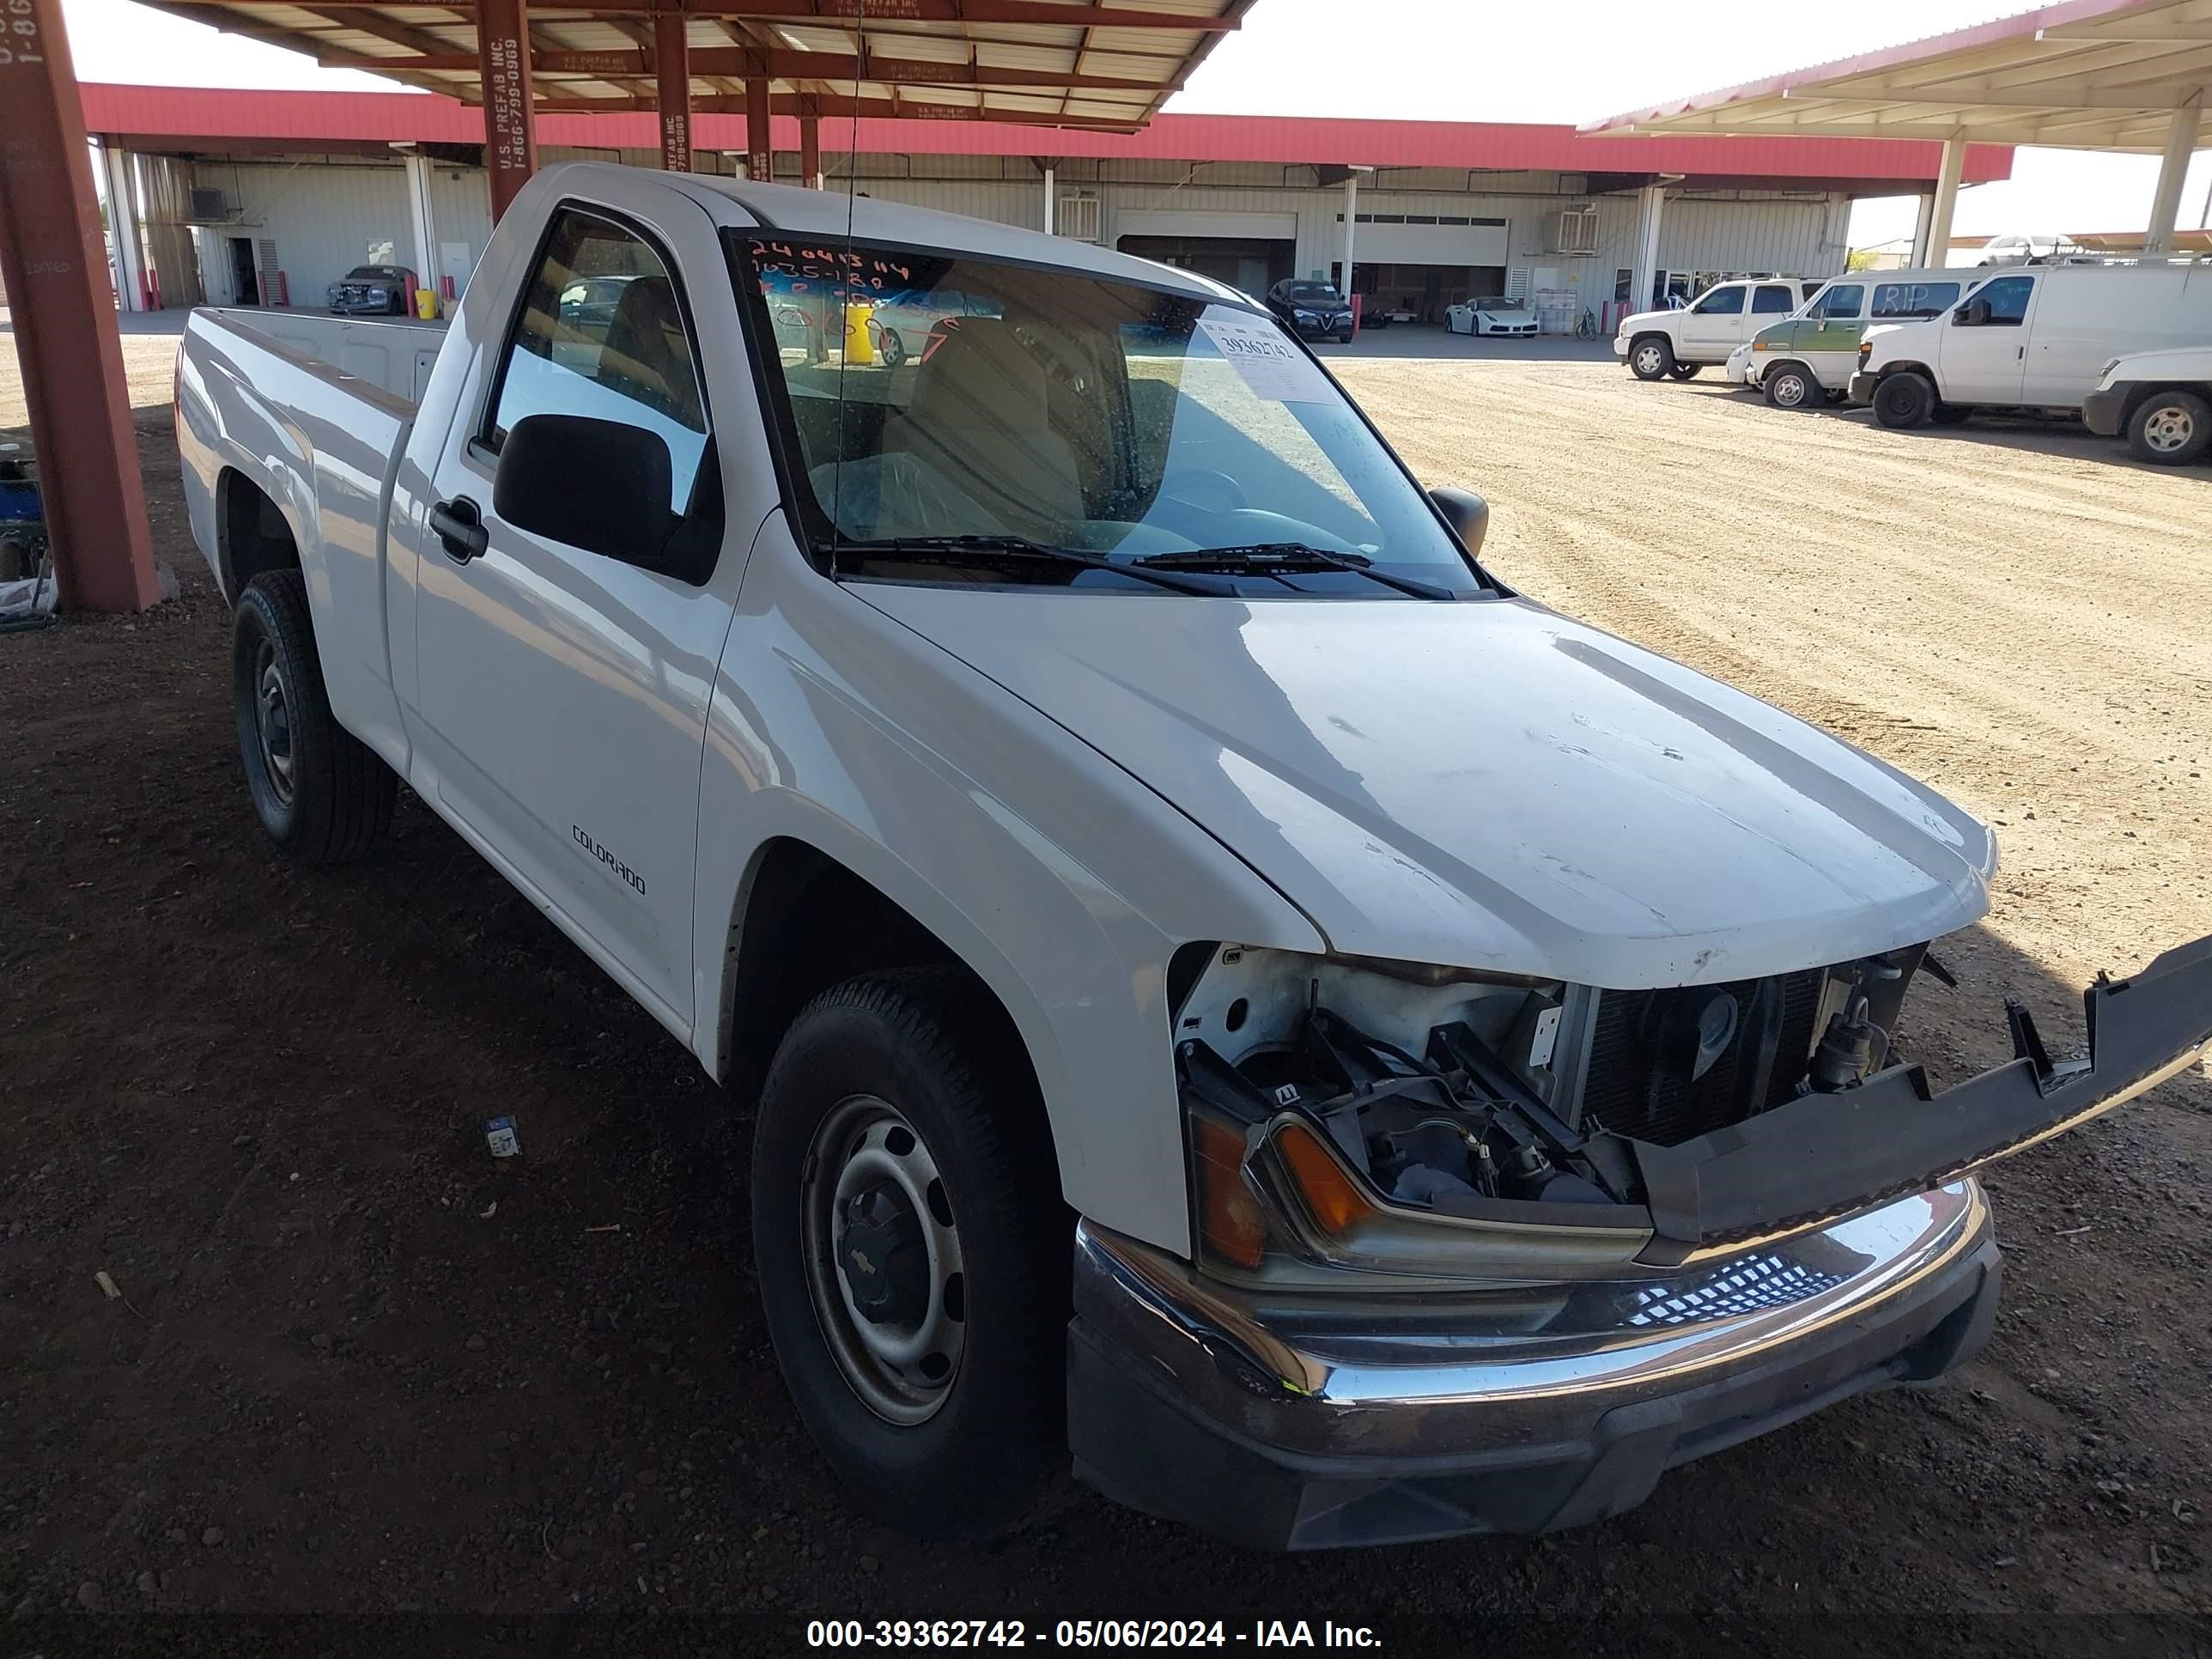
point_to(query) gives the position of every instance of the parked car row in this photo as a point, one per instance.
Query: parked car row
(2126, 348)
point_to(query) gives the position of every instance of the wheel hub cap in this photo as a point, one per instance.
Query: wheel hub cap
(1647, 358)
(1790, 391)
(272, 714)
(2168, 429)
(882, 1256)
(884, 1263)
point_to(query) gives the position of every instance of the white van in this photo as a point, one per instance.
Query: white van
(2030, 339)
(1814, 351)
(1657, 344)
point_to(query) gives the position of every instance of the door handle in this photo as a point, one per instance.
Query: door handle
(458, 524)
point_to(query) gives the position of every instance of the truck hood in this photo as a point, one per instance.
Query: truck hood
(1484, 784)
(1637, 319)
(2175, 362)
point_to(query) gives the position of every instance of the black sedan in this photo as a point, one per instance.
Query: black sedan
(372, 291)
(1314, 310)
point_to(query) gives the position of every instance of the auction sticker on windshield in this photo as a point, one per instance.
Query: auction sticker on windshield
(1269, 364)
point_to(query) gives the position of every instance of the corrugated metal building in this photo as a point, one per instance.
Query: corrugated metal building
(291, 190)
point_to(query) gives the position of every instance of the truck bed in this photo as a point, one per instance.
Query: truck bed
(261, 407)
(395, 355)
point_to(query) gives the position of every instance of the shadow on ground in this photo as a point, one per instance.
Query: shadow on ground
(359, 1369)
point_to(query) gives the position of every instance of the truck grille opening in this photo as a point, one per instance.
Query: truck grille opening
(1635, 1087)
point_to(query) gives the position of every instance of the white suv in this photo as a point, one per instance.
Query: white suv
(1657, 344)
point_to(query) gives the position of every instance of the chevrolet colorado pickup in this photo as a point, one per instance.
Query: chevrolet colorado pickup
(1236, 1004)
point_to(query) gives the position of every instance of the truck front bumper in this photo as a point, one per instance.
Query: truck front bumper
(1525, 1410)
(2105, 412)
(1860, 390)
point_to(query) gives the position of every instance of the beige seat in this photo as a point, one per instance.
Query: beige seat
(981, 419)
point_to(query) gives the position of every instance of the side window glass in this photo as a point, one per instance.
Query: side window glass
(1896, 302)
(601, 334)
(1841, 302)
(1773, 300)
(1720, 302)
(2000, 304)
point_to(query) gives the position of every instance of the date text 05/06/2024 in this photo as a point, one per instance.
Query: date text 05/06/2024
(1087, 1633)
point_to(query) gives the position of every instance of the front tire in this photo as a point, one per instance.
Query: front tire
(2170, 429)
(1903, 400)
(914, 1254)
(1791, 386)
(1651, 358)
(323, 795)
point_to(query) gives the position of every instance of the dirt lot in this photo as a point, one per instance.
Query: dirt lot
(359, 1371)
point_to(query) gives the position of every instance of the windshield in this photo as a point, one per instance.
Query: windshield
(970, 405)
(1495, 303)
(1316, 293)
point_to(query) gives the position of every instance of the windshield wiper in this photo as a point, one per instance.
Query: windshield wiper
(984, 549)
(1270, 558)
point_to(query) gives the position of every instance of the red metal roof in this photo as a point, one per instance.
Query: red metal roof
(214, 114)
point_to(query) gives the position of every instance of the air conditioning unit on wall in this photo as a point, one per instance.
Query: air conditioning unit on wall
(209, 207)
(1077, 216)
(1574, 231)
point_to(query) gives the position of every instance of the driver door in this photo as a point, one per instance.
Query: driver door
(562, 693)
(1986, 342)
(1713, 327)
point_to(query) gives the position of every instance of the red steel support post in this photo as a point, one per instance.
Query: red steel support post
(672, 56)
(510, 126)
(53, 259)
(809, 147)
(760, 149)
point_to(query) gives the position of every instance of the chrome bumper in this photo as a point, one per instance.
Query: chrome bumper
(1526, 1409)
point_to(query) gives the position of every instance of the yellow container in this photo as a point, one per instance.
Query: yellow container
(426, 304)
(858, 348)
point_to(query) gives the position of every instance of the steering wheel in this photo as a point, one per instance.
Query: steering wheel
(1206, 478)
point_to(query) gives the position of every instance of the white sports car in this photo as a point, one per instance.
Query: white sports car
(1493, 315)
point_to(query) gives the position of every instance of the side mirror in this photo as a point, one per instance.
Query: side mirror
(600, 485)
(1466, 513)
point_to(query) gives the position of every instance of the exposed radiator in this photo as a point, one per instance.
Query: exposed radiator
(1623, 1090)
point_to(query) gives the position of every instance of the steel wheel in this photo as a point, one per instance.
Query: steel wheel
(884, 1267)
(272, 720)
(2169, 429)
(1787, 389)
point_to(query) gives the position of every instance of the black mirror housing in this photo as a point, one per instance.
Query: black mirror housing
(602, 486)
(1466, 513)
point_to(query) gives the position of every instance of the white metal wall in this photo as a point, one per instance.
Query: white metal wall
(324, 213)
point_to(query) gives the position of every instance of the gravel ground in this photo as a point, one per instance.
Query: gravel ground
(365, 1388)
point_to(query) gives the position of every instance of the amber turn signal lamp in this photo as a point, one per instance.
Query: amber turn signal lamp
(1336, 1203)
(1229, 1224)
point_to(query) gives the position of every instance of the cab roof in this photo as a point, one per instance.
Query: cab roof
(832, 214)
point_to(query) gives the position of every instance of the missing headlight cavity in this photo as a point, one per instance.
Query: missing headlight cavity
(1445, 1091)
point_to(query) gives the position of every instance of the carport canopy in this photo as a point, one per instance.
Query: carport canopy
(1102, 65)
(2110, 75)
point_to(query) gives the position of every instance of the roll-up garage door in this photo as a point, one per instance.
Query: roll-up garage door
(1382, 239)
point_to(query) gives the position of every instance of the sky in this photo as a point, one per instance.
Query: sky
(1446, 60)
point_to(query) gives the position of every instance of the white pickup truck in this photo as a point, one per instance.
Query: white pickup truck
(1236, 1004)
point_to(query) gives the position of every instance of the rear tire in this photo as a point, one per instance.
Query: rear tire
(1903, 400)
(2170, 429)
(899, 1109)
(890, 350)
(1651, 358)
(1791, 386)
(323, 795)
(1683, 371)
